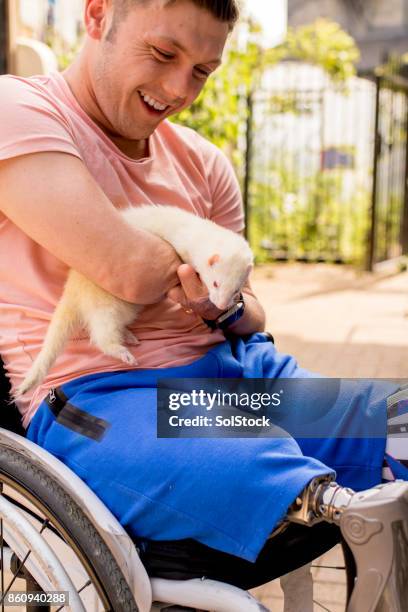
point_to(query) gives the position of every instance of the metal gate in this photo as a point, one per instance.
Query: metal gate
(310, 167)
(327, 168)
(389, 211)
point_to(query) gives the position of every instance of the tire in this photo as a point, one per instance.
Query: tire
(19, 474)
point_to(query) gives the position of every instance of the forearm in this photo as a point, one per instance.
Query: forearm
(53, 198)
(253, 319)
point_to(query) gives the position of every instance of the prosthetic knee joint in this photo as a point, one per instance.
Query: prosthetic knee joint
(374, 523)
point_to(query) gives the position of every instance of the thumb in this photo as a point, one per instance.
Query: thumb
(191, 282)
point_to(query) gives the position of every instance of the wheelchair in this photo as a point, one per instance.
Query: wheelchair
(62, 549)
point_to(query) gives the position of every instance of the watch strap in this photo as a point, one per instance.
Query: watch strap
(230, 316)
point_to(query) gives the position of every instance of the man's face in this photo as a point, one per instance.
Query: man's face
(156, 55)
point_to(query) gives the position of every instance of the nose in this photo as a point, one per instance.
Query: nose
(177, 87)
(223, 305)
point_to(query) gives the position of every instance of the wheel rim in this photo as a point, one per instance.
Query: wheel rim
(47, 523)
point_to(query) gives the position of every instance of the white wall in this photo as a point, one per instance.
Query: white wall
(33, 17)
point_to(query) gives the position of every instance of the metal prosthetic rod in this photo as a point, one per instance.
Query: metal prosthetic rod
(322, 500)
(374, 524)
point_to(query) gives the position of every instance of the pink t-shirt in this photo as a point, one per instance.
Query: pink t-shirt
(183, 169)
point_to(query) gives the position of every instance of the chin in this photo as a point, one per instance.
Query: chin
(138, 134)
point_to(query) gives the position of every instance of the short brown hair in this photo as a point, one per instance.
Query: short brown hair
(224, 10)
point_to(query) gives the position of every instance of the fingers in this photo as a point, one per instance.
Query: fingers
(189, 291)
(191, 283)
(192, 294)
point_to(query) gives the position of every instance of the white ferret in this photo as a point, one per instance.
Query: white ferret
(222, 258)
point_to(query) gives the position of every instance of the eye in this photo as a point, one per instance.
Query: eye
(163, 54)
(202, 74)
(215, 284)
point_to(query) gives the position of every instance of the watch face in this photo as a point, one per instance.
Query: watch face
(232, 316)
(228, 314)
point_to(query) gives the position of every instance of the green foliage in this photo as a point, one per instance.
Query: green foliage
(309, 213)
(307, 217)
(64, 51)
(325, 44)
(220, 113)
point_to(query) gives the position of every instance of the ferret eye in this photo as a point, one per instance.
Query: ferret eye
(216, 285)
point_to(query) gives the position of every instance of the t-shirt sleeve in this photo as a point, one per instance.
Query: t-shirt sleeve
(30, 121)
(228, 209)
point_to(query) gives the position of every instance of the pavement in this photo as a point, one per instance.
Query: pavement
(342, 323)
(337, 321)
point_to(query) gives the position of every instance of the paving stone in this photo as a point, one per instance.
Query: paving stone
(341, 323)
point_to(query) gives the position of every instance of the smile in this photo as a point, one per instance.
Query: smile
(152, 103)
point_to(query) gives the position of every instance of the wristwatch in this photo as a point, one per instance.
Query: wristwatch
(230, 316)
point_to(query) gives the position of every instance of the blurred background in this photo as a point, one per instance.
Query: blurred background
(311, 106)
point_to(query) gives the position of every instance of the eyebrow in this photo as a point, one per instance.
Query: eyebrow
(175, 43)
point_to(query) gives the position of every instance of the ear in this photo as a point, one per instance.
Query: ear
(95, 17)
(213, 259)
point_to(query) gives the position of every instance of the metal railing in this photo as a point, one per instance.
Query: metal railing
(326, 168)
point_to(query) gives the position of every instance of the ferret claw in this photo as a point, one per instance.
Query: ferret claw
(127, 357)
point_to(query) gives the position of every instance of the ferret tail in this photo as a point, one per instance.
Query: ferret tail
(63, 322)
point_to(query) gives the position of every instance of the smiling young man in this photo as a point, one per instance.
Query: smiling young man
(76, 147)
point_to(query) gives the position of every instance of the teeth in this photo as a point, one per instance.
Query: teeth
(152, 102)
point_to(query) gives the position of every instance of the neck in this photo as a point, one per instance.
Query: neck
(79, 81)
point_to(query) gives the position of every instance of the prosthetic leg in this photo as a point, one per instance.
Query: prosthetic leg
(374, 523)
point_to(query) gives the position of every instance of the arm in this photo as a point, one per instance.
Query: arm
(53, 198)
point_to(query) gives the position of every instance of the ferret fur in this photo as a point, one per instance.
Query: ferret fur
(221, 257)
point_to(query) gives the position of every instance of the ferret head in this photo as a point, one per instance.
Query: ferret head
(225, 272)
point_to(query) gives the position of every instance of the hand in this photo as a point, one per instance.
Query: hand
(159, 271)
(192, 294)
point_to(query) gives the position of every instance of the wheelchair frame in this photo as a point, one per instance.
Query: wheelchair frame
(196, 593)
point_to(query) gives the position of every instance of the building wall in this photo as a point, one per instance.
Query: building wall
(306, 11)
(389, 13)
(67, 14)
(379, 27)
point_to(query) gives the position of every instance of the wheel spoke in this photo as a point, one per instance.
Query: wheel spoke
(84, 586)
(33, 515)
(38, 507)
(88, 583)
(19, 567)
(14, 578)
(321, 606)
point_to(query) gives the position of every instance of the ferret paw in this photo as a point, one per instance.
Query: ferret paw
(126, 356)
(23, 388)
(33, 378)
(131, 339)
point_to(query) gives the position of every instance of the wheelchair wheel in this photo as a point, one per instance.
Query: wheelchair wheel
(66, 529)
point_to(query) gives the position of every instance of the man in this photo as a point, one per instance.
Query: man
(76, 147)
